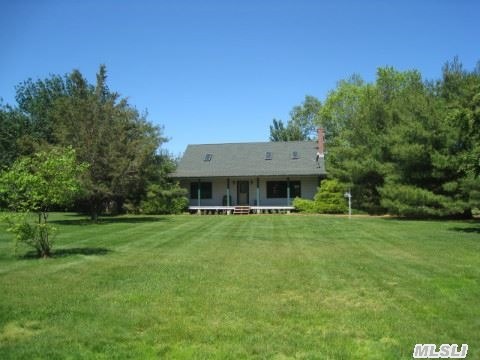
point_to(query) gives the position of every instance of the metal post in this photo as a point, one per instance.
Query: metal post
(258, 192)
(199, 193)
(288, 191)
(350, 206)
(348, 195)
(228, 192)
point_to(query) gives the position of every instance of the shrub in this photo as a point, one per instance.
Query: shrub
(304, 205)
(38, 235)
(36, 184)
(169, 200)
(329, 199)
(411, 201)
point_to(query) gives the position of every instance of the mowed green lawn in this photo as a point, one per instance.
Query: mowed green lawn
(231, 287)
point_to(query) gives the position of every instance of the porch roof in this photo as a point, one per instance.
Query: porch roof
(251, 159)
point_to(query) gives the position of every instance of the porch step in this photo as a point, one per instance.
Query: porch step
(241, 210)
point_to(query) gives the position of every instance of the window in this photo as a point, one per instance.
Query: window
(278, 189)
(207, 157)
(205, 190)
(268, 155)
(295, 155)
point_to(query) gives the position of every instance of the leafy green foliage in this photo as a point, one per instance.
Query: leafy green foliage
(163, 195)
(36, 184)
(402, 142)
(278, 132)
(109, 134)
(38, 235)
(304, 205)
(412, 201)
(301, 125)
(162, 200)
(329, 199)
(14, 128)
(39, 182)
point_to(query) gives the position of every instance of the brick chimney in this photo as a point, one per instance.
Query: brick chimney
(321, 142)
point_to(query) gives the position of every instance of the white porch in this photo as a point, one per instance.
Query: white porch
(261, 194)
(228, 210)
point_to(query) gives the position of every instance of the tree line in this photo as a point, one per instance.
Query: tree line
(120, 147)
(403, 145)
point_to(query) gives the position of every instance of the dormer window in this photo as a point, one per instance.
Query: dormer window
(207, 157)
(268, 155)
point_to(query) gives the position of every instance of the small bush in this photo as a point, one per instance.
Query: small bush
(304, 205)
(329, 199)
(38, 235)
(37, 184)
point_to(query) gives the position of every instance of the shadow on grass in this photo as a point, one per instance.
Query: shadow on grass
(422, 218)
(70, 252)
(468, 230)
(111, 220)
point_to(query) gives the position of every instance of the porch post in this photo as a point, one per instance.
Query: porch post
(258, 191)
(228, 192)
(199, 193)
(288, 191)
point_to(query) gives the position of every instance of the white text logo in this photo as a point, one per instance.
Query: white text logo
(429, 351)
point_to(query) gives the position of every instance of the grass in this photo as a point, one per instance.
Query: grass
(227, 287)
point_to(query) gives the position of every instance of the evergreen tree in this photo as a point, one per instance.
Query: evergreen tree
(404, 145)
(118, 143)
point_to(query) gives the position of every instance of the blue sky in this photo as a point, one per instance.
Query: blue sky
(220, 71)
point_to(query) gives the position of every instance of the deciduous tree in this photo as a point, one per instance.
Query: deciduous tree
(302, 122)
(35, 184)
(117, 142)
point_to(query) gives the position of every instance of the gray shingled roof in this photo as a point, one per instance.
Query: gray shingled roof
(248, 159)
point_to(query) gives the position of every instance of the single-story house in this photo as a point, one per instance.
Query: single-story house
(258, 175)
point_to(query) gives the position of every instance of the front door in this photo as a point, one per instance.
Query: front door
(242, 193)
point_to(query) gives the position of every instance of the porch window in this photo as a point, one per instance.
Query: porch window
(205, 190)
(278, 189)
